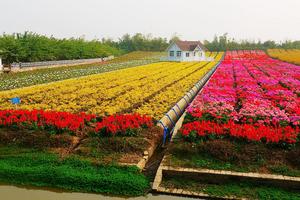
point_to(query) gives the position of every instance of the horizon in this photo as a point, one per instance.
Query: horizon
(101, 19)
(153, 36)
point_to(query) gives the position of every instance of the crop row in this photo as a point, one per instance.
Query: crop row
(60, 122)
(150, 89)
(251, 88)
(291, 55)
(46, 75)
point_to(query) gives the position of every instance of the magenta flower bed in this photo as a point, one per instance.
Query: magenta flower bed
(250, 88)
(249, 85)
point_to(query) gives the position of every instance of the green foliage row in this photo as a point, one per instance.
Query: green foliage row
(48, 170)
(32, 47)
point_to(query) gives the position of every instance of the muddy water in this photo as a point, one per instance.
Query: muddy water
(19, 193)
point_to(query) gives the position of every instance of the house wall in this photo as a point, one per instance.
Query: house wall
(174, 48)
(183, 57)
(200, 55)
(190, 58)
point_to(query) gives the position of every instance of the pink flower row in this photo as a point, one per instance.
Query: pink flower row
(250, 86)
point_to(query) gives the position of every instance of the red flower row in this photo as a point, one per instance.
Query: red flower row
(64, 121)
(250, 132)
(42, 119)
(120, 123)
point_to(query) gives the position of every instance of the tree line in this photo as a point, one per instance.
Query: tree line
(138, 42)
(141, 42)
(223, 43)
(31, 47)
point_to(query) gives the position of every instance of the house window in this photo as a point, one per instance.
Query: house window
(178, 53)
(171, 53)
(194, 53)
(187, 54)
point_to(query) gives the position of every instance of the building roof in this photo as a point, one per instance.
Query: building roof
(190, 45)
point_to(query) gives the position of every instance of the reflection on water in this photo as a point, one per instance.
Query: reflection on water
(17, 193)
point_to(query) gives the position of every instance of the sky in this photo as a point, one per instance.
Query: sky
(277, 20)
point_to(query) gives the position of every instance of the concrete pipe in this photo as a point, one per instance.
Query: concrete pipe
(169, 120)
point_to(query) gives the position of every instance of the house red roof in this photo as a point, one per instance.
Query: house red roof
(190, 45)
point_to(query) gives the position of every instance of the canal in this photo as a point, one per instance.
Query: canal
(8, 192)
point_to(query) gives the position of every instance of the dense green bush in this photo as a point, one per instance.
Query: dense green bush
(45, 169)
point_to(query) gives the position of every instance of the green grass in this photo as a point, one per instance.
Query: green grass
(31, 167)
(208, 162)
(216, 155)
(204, 161)
(237, 189)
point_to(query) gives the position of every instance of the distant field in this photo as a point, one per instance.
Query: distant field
(291, 56)
(39, 76)
(150, 89)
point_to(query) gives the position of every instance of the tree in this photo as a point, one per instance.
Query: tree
(9, 49)
(270, 44)
(174, 38)
(140, 42)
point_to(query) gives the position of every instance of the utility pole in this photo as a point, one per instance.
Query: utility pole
(1, 66)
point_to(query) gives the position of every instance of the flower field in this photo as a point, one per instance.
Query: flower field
(150, 89)
(291, 56)
(39, 76)
(250, 96)
(75, 124)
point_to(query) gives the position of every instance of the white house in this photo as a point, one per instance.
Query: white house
(186, 51)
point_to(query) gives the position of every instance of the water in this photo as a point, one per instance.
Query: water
(8, 192)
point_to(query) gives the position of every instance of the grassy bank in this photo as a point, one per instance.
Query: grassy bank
(38, 168)
(234, 156)
(249, 190)
(82, 160)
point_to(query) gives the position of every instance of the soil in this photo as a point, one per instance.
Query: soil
(106, 150)
(35, 139)
(229, 155)
(119, 149)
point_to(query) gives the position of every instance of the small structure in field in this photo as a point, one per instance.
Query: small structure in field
(1, 66)
(187, 51)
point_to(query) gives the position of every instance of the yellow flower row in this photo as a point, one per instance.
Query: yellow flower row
(215, 55)
(291, 56)
(150, 89)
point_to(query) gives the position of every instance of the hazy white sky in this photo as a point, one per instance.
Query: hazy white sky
(191, 19)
